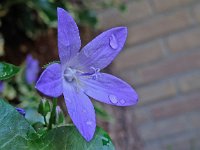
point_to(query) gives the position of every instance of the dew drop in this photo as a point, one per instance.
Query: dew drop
(89, 123)
(113, 99)
(122, 101)
(113, 42)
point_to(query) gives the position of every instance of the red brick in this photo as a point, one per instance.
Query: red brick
(135, 11)
(156, 92)
(135, 56)
(176, 106)
(163, 5)
(184, 41)
(189, 82)
(158, 26)
(169, 67)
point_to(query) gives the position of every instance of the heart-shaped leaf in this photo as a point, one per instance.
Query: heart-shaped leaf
(16, 133)
(68, 138)
(14, 129)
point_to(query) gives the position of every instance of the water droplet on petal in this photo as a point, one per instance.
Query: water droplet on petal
(122, 101)
(113, 42)
(84, 111)
(89, 123)
(113, 99)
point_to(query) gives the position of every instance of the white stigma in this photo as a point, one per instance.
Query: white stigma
(70, 74)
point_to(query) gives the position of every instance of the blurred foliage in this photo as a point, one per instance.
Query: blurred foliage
(28, 18)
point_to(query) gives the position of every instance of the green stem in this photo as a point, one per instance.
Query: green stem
(52, 119)
(45, 121)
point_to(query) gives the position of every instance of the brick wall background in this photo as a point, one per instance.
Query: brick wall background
(162, 61)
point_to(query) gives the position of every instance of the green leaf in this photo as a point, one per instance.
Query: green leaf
(7, 70)
(16, 133)
(68, 138)
(14, 128)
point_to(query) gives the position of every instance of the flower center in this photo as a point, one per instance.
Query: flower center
(70, 74)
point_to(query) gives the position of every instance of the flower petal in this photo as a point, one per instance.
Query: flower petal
(50, 81)
(109, 89)
(80, 110)
(102, 50)
(69, 42)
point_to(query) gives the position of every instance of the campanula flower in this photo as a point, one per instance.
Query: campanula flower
(78, 74)
(31, 70)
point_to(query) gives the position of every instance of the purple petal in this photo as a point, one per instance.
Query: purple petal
(69, 42)
(102, 50)
(21, 111)
(80, 110)
(109, 89)
(50, 81)
(32, 69)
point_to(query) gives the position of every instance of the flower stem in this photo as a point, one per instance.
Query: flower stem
(45, 121)
(52, 119)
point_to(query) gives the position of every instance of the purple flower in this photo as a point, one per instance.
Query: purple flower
(78, 75)
(1, 86)
(32, 69)
(21, 111)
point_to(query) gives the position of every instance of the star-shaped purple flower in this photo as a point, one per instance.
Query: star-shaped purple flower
(78, 75)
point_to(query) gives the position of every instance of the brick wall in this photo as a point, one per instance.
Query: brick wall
(162, 61)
